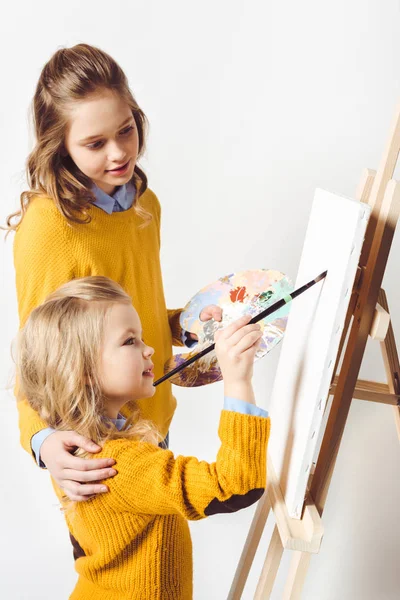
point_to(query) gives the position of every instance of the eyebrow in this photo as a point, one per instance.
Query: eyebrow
(99, 135)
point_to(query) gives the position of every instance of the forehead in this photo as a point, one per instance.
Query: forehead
(122, 316)
(98, 114)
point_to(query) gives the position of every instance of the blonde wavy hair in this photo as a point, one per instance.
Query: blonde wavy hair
(58, 354)
(72, 74)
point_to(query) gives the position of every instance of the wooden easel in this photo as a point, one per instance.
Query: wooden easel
(368, 315)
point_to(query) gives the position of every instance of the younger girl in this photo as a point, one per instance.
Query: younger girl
(88, 211)
(81, 359)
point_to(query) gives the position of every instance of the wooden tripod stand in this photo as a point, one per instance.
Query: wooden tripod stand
(368, 315)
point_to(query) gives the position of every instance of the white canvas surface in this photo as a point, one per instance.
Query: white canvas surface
(333, 242)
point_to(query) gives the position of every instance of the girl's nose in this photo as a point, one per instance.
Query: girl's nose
(148, 351)
(115, 152)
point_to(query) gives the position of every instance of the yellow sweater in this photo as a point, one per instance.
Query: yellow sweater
(48, 252)
(134, 542)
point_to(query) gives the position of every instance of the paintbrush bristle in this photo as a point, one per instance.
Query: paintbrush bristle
(321, 276)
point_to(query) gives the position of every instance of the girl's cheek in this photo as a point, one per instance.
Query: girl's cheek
(97, 165)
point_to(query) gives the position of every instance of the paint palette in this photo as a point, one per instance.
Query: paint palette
(247, 292)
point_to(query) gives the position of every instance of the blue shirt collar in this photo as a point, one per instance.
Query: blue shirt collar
(124, 195)
(119, 421)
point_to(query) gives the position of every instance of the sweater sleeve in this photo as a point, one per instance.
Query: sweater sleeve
(152, 481)
(174, 325)
(43, 261)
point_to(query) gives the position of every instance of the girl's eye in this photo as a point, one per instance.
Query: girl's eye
(95, 145)
(129, 342)
(127, 130)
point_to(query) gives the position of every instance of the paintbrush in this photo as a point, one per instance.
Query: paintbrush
(262, 315)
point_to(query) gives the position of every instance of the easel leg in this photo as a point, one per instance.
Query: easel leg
(391, 361)
(250, 547)
(270, 568)
(297, 575)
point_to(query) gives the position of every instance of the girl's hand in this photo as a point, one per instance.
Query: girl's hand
(236, 347)
(71, 473)
(212, 311)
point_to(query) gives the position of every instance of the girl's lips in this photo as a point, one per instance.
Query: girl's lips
(120, 170)
(148, 373)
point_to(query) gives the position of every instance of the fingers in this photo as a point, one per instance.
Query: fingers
(216, 313)
(73, 439)
(80, 493)
(211, 312)
(242, 332)
(88, 476)
(74, 483)
(226, 332)
(236, 330)
(82, 464)
(248, 341)
(240, 341)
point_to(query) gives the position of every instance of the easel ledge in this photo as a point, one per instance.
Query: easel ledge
(303, 534)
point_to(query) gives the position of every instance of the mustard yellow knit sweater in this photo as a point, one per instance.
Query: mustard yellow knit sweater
(49, 251)
(134, 542)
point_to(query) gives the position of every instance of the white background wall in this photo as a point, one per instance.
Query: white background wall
(251, 106)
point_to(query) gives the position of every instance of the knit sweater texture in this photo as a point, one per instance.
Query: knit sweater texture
(134, 542)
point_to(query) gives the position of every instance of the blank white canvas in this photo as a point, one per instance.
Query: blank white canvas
(333, 242)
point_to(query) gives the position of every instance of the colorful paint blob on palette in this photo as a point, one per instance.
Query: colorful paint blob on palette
(247, 292)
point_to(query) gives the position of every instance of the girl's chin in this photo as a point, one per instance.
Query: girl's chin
(146, 391)
(110, 184)
(151, 391)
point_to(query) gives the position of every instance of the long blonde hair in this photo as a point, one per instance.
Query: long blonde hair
(72, 74)
(58, 357)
